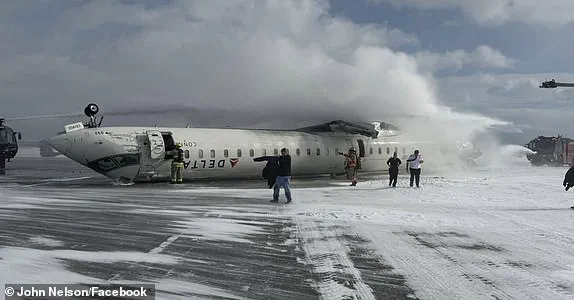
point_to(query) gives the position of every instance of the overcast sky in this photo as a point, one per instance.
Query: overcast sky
(283, 60)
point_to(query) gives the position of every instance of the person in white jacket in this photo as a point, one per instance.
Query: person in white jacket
(414, 167)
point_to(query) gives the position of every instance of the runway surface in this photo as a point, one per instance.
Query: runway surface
(457, 237)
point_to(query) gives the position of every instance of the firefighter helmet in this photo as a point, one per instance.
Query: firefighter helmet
(178, 145)
(352, 149)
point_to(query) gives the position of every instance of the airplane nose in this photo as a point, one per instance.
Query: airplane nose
(61, 143)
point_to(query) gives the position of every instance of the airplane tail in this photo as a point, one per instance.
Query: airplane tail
(45, 149)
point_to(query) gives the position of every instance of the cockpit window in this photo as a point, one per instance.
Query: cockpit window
(107, 164)
(126, 160)
(6, 135)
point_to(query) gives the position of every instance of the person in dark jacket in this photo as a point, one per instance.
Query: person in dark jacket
(270, 170)
(393, 163)
(283, 176)
(569, 178)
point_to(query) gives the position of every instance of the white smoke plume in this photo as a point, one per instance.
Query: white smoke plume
(259, 63)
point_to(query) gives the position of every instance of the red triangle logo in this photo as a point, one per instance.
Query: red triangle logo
(233, 161)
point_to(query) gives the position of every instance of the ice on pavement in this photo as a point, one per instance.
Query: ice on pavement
(502, 232)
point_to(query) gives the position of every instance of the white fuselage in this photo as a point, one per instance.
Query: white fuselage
(138, 154)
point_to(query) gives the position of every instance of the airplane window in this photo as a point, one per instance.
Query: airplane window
(298, 151)
(404, 150)
(263, 152)
(238, 152)
(388, 150)
(336, 150)
(308, 151)
(226, 153)
(275, 152)
(380, 151)
(370, 150)
(327, 153)
(212, 153)
(318, 151)
(251, 152)
(186, 153)
(200, 153)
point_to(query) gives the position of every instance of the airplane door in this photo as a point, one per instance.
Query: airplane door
(361, 148)
(156, 144)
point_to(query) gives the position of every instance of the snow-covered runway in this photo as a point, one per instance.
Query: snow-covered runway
(502, 233)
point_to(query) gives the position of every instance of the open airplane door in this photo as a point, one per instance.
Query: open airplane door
(361, 148)
(154, 147)
(156, 144)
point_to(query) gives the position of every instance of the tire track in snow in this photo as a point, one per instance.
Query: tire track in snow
(443, 266)
(465, 253)
(328, 254)
(431, 273)
(553, 255)
(475, 259)
(381, 277)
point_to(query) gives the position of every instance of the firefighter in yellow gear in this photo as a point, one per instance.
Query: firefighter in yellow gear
(352, 164)
(177, 165)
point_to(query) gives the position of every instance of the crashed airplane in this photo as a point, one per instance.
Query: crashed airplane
(138, 154)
